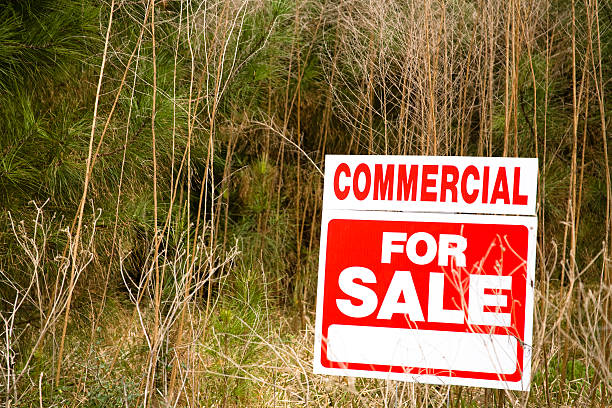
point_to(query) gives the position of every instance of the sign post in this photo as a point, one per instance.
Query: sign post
(426, 270)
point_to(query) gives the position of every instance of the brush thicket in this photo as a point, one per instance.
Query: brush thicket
(161, 183)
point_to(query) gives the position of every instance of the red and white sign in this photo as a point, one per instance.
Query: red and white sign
(428, 297)
(489, 185)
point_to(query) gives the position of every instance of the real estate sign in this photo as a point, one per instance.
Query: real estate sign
(426, 269)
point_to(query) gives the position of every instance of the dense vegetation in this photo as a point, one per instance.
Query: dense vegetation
(160, 186)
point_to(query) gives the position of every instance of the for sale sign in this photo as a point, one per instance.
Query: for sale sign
(427, 296)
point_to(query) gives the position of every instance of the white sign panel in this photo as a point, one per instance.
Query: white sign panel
(429, 297)
(489, 185)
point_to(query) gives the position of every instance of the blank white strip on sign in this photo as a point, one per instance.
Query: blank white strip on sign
(477, 352)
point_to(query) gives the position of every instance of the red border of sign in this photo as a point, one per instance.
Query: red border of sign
(515, 381)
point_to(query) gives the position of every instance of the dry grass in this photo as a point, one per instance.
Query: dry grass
(217, 310)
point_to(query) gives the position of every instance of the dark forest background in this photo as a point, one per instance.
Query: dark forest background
(160, 191)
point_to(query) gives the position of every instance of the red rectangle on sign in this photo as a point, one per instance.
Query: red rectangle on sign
(435, 298)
